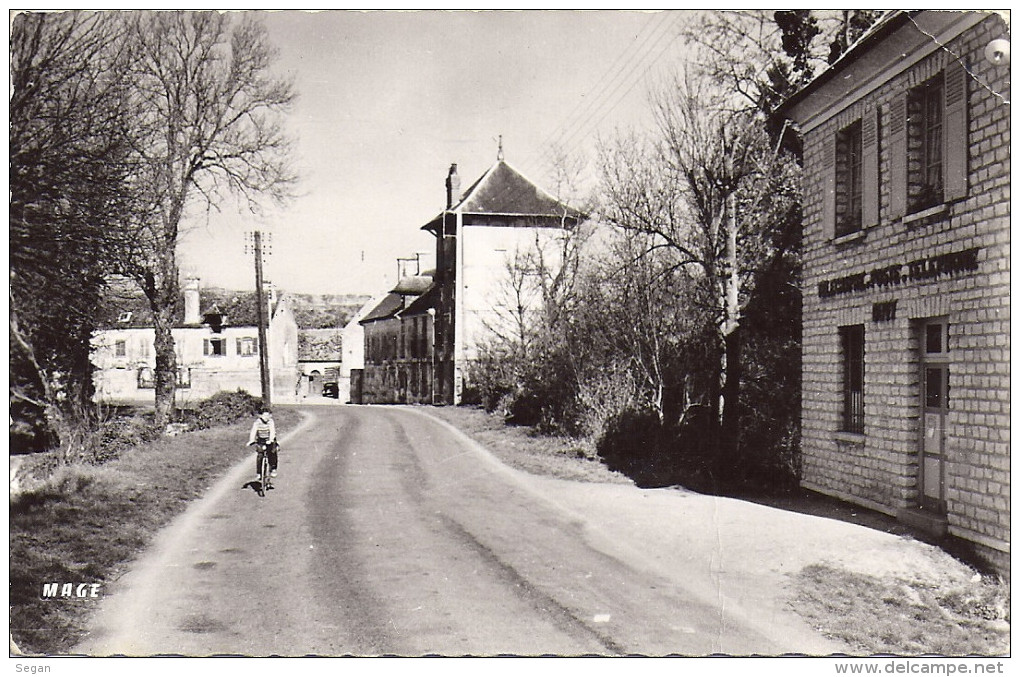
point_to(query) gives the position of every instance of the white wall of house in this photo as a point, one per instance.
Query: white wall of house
(208, 362)
(491, 291)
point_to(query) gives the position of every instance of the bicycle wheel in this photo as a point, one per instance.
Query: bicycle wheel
(265, 472)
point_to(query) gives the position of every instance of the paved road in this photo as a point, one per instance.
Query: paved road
(390, 533)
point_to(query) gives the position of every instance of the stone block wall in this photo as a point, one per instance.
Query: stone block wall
(878, 468)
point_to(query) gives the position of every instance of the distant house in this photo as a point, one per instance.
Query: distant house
(320, 354)
(214, 353)
(906, 259)
(352, 364)
(479, 238)
(398, 345)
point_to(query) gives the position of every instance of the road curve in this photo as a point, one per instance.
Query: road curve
(389, 533)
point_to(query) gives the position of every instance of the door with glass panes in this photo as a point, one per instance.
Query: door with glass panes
(934, 348)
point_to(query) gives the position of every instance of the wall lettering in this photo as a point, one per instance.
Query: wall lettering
(943, 265)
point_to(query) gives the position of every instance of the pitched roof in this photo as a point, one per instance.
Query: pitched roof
(413, 285)
(387, 308)
(502, 191)
(423, 303)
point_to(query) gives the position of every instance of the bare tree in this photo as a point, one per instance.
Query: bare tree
(208, 115)
(70, 206)
(759, 57)
(707, 188)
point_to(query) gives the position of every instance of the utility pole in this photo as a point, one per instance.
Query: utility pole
(260, 303)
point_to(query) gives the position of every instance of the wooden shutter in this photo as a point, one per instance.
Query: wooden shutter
(869, 169)
(955, 132)
(205, 346)
(829, 186)
(239, 347)
(898, 158)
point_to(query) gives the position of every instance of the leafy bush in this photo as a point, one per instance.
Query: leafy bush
(225, 407)
(636, 444)
(118, 434)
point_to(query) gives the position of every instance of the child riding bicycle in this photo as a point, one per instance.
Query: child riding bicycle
(263, 434)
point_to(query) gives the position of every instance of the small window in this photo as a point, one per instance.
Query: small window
(216, 347)
(936, 338)
(146, 379)
(120, 348)
(247, 346)
(925, 106)
(849, 193)
(852, 350)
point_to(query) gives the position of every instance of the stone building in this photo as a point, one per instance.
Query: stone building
(398, 345)
(215, 352)
(906, 336)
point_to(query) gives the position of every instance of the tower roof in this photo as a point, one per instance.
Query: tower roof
(504, 196)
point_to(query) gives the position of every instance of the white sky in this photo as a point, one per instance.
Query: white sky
(388, 100)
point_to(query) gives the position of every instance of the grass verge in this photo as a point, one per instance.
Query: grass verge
(521, 448)
(888, 615)
(85, 523)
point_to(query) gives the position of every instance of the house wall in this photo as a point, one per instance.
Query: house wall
(497, 278)
(398, 369)
(282, 334)
(117, 377)
(879, 468)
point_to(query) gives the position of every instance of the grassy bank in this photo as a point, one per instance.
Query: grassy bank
(83, 524)
(937, 614)
(520, 447)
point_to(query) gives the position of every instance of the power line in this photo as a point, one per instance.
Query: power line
(614, 78)
(587, 100)
(613, 100)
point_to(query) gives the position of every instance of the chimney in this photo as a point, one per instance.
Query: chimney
(192, 315)
(452, 187)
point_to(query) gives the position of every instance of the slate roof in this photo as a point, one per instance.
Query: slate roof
(387, 308)
(502, 191)
(421, 305)
(413, 285)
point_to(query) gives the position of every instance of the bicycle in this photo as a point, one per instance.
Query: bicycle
(265, 472)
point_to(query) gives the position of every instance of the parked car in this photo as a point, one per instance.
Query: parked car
(331, 389)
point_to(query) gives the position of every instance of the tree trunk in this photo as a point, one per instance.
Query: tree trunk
(166, 367)
(163, 299)
(731, 419)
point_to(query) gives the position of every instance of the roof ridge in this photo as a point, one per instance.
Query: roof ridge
(539, 188)
(477, 185)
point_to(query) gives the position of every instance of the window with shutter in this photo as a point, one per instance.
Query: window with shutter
(871, 194)
(925, 145)
(848, 188)
(829, 184)
(898, 158)
(215, 347)
(957, 144)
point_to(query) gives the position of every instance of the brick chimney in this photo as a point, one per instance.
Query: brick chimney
(452, 187)
(192, 315)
